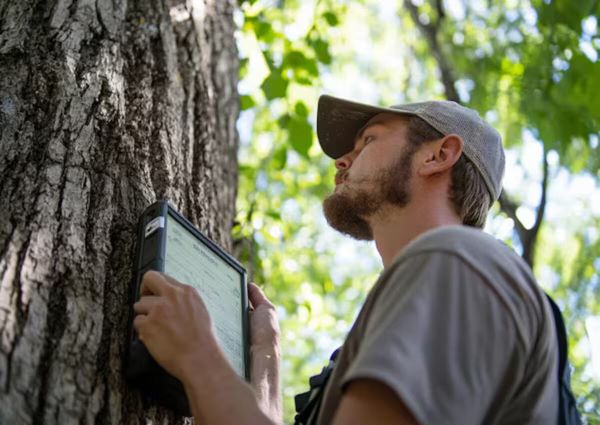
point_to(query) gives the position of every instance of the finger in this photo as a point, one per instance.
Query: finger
(188, 289)
(256, 295)
(250, 305)
(138, 322)
(173, 281)
(145, 304)
(153, 283)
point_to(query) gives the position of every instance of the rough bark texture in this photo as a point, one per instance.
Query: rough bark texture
(105, 106)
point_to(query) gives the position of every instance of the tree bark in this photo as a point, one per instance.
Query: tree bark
(430, 33)
(105, 106)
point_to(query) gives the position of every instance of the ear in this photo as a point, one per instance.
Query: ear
(441, 155)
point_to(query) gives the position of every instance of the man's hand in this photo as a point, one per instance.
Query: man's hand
(264, 353)
(173, 323)
(264, 326)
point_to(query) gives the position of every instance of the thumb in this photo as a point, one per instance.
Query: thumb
(257, 296)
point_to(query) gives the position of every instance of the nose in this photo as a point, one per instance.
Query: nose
(343, 162)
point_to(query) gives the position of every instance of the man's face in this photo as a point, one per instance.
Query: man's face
(376, 173)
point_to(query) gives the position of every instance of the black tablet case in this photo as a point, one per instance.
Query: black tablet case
(142, 371)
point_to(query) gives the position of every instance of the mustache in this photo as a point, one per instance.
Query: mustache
(341, 175)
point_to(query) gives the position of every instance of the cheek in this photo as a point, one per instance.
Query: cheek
(362, 163)
(357, 171)
(366, 165)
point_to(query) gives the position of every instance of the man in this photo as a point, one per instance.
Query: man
(455, 331)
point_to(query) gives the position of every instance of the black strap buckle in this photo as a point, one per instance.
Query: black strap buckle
(309, 402)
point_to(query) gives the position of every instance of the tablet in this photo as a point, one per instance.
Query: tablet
(169, 243)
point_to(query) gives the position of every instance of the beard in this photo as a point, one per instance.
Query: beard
(347, 210)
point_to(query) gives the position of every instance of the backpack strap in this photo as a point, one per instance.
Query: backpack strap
(308, 404)
(567, 405)
(561, 336)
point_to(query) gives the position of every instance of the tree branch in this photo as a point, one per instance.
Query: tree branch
(528, 237)
(439, 5)
(531, 236)
(430, 32)
(542, 205)
(509, 207)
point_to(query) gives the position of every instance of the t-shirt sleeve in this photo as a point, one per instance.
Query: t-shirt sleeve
(442, 339)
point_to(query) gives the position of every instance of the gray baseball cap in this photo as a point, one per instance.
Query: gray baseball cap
(339, 120)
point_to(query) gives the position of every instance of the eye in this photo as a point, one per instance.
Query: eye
(369, 139)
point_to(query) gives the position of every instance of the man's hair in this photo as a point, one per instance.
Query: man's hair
(468, 192)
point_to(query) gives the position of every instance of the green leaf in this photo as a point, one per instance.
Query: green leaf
(311, 67)
(274, 214)
(301, 135)
(295, 59)
(301, 109)
(247, 171)
(246, 102)
(244, 65)
(322, 51)
(275, 85)
(305, 81)
(279, 158)
(264, 31)
(283, 120)
(331, 18)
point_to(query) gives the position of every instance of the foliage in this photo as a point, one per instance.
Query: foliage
(527, 63)
(530, 68)
(282, 175)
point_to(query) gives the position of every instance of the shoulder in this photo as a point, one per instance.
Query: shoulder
(471, 259)
(461, 240)
(473, 248)
(456, 307)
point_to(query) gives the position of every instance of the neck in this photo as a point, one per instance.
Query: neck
(395, 227)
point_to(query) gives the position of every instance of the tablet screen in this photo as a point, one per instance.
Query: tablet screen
(190, 261)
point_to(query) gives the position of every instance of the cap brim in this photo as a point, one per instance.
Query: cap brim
(339, 120)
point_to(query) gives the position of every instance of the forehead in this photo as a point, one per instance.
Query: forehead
(385, 119)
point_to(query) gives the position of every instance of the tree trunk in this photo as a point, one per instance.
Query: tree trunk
(105, 106)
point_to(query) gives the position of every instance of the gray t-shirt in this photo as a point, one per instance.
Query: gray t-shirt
(458, 328)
